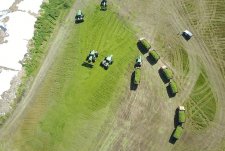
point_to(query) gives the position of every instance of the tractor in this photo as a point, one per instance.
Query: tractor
(93, 55)
(138, 62)
(107, 61)
(103, 5)
(79, 16)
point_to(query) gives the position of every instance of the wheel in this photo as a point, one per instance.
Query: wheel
(96, 55)
(111, 62)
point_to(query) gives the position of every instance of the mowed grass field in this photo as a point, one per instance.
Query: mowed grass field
(74, 100)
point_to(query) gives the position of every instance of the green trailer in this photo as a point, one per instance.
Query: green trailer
(173, 87)
(145, 43)
(178, 132)
(137, 76)
(168, 73)
(181, 114)
(154, 55)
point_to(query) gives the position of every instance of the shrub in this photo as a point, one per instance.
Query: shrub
(44, 26)
(173, 87)
(154, 55)
(145, 43)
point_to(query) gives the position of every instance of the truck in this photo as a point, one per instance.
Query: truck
(181, 114)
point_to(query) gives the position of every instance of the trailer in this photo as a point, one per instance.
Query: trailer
(168, 73)
(145, 43)
(154, 55)
(173, 87)
(137, 76)
(178, 132)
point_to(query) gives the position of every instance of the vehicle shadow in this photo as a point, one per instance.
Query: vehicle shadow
(78, 21)
(169, 92)
(142, 49)
(87, 65)
(185, 37)
(132, 85)
(151, 60)
(162, 76)
(172, 140)
(176, 116)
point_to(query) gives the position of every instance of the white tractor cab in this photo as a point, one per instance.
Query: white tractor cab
(187, 35)
(92, 56)
(103, 5)
(107, 61)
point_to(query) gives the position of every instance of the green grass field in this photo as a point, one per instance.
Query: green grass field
(74, 100)
(201, 107)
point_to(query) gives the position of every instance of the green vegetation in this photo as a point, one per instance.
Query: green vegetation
(154, 55)
(44, 27)
(173, 87)
(178, 132)
(182, 117)
(201, 106)
(168, 73)
(137, 76)
(145, 44)
(74, 101)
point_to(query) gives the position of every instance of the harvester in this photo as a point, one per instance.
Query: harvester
(107, 61)
(92, 56)
(79, 16)
(181, 115)
(103, 5)
(138, 61)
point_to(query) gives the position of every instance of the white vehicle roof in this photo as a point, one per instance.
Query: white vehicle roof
(188, 32)
(181, 108)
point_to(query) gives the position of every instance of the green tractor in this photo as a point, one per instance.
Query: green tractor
(107, 61)
(138, 61)
(103, 5)
(93, 55)
(79, 16)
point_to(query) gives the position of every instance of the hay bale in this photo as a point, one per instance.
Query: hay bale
(154, 55)
(178, 132)
(173, 87)
(145, 43)
(137, 76)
